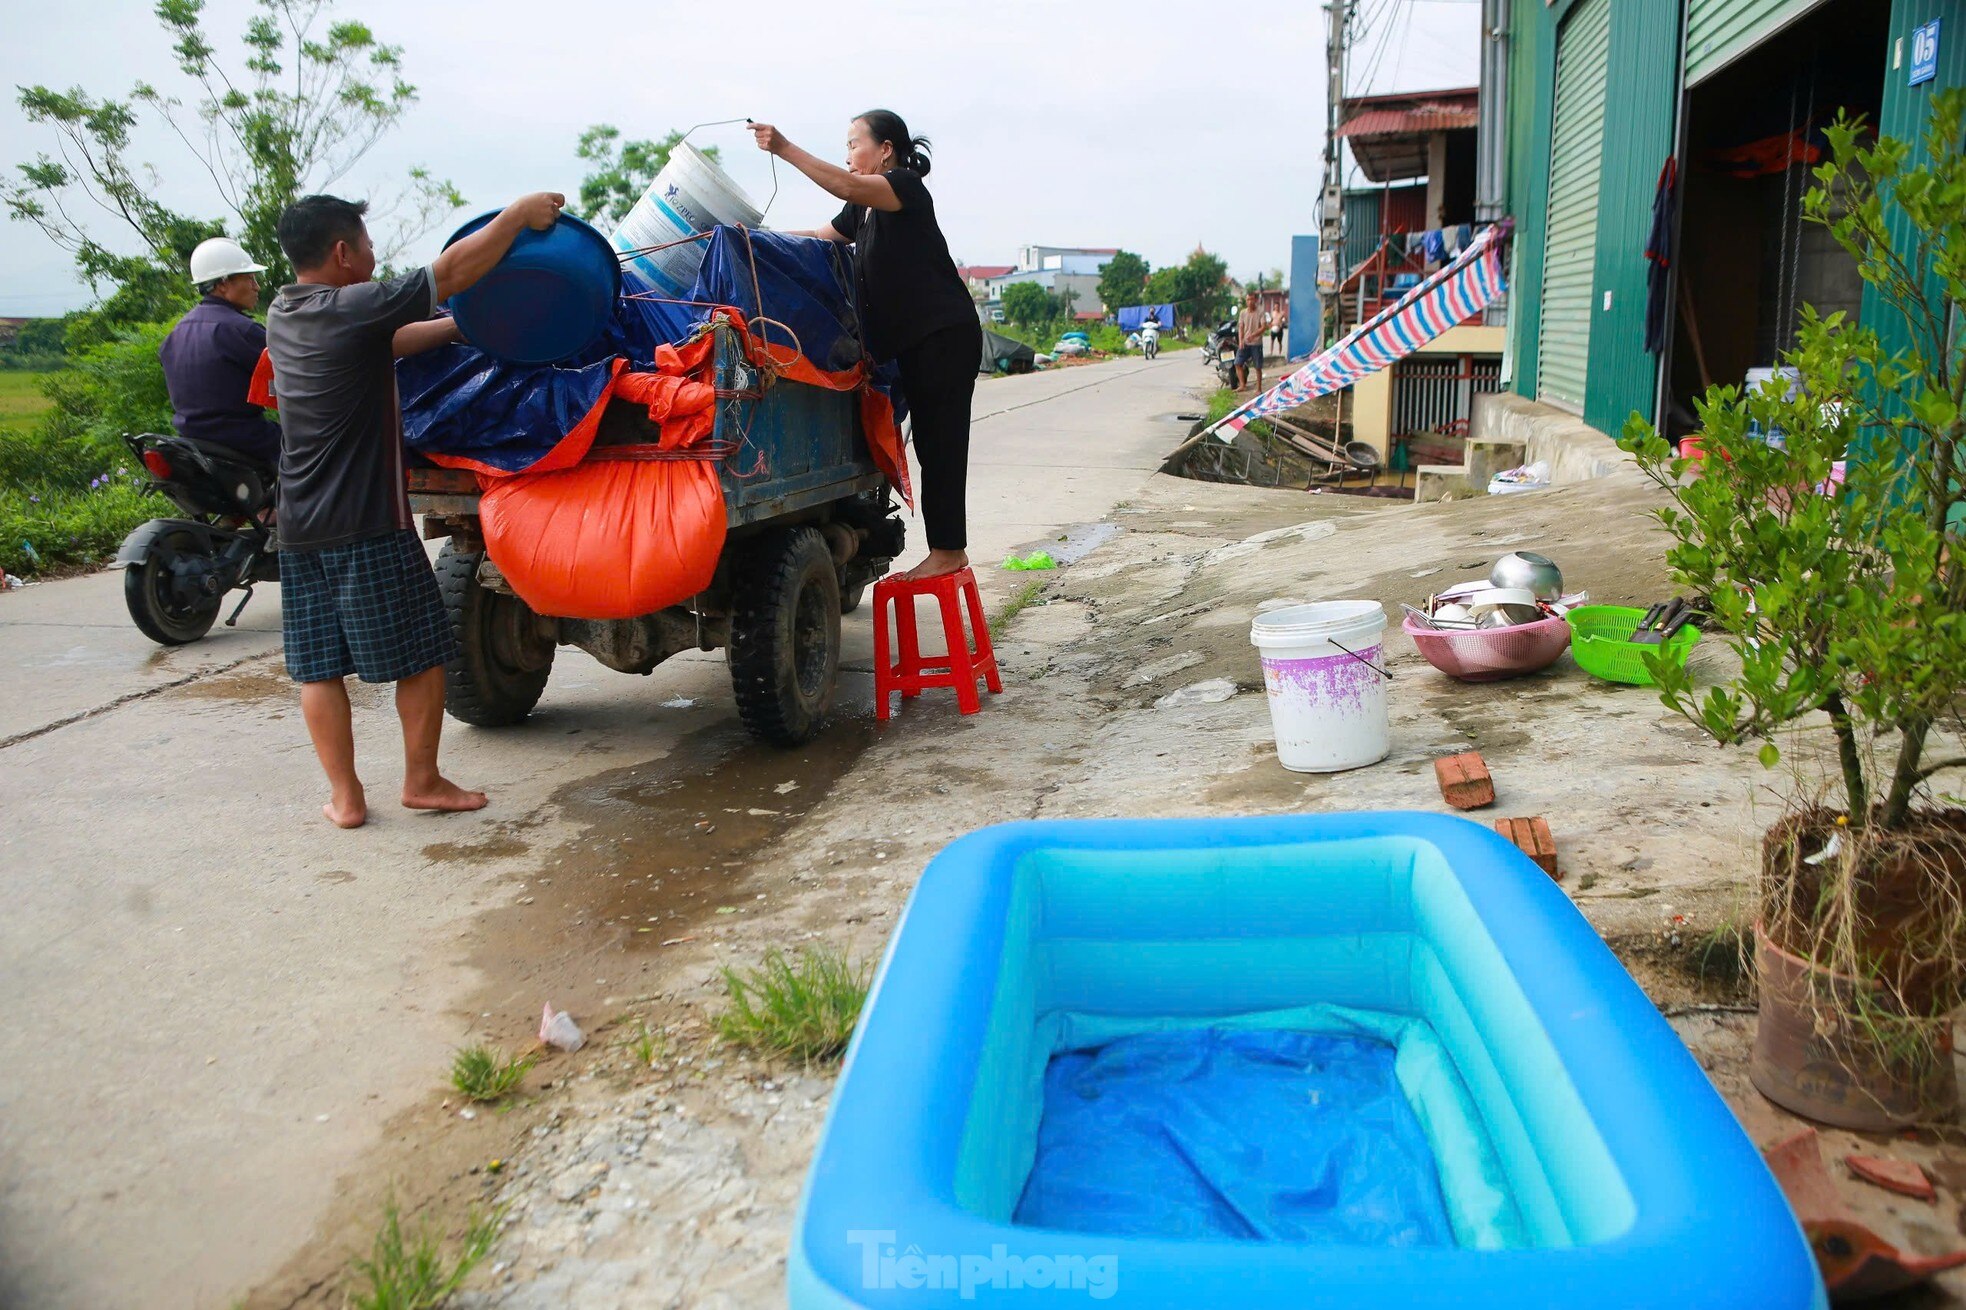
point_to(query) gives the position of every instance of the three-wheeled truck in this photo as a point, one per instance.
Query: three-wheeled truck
(811, 525)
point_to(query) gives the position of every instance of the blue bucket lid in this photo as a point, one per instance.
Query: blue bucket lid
(549, 298)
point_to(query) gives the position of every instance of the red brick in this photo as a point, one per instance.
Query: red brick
(1464, 781)
(1901, 1176)
(1533, 838)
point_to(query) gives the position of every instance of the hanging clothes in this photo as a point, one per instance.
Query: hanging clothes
(1658, 257)
(1435, 246)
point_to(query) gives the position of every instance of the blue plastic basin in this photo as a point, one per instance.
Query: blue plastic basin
(548, 299)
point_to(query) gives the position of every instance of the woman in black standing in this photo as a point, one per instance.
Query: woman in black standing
(914, 306)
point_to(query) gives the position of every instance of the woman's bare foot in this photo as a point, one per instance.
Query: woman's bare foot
(350, 811)
(938, 563)
(443, 794)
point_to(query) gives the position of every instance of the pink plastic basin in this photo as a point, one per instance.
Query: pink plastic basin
(1488, 654)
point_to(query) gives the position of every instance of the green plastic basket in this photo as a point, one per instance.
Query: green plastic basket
(1600, 640)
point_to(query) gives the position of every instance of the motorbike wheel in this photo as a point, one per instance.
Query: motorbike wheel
(156, 601)
(785, 637)
(503, 663)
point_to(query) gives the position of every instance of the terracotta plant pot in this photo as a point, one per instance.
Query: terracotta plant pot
(1813, 1057)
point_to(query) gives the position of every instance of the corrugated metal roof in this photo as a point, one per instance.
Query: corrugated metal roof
(1418, 121)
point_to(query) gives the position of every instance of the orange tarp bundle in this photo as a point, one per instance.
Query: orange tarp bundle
(628, 530)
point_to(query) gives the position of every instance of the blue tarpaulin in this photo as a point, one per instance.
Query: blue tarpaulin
(1215, 1134)
(1133, 316)
(460, 401)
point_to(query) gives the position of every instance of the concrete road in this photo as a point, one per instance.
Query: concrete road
(215, 1001)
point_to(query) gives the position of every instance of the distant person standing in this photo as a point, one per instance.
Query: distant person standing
(1278, 322)
(916, 308)
(356, 591)
(209, 357)
(1251, 324)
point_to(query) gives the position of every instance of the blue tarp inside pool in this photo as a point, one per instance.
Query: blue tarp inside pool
(1260, 1135)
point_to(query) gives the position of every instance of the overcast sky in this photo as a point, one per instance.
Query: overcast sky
(1151, 126)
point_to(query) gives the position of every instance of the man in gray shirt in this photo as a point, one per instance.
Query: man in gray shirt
(356, 591)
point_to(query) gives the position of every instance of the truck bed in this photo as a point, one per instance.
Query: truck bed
(796, 446)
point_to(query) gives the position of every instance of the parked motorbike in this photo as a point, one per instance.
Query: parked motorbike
(1220, 353)
(1150, 338)
(1221, 345)
(178, 571)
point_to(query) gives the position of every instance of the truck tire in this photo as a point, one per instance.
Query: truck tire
(501, 667)
(785, 637)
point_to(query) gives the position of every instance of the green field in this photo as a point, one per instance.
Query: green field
(21, 400)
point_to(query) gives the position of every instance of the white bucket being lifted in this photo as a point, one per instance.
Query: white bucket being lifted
(1327, 696)
(690, 194)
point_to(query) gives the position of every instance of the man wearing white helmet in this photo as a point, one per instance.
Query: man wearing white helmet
(210, 355)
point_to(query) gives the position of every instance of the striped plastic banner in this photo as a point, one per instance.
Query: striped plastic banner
(1451, 295)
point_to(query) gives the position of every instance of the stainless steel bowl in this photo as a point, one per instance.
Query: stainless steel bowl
(1520, 568)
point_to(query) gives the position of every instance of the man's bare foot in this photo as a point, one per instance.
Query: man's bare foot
(938, 563)
(350, 811)
(442, 795)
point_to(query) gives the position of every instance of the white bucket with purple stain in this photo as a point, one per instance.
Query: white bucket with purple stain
(1321, 666)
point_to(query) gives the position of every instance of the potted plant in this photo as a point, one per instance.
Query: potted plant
(1823, 525)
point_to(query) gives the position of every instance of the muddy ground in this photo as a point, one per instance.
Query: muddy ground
(1131, 689)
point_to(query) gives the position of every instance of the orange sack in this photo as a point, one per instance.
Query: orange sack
(607, 539)
(623, 533)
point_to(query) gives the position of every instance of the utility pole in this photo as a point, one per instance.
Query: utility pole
(1340, 13)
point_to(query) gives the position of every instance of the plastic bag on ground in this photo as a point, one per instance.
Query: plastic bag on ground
(558, 1030)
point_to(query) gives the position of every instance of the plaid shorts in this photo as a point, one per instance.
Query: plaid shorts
(369, 607)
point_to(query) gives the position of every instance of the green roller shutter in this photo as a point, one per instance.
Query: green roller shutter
(1719, 30)
(1583, 50)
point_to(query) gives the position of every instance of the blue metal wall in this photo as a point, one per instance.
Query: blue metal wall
(1306, 331)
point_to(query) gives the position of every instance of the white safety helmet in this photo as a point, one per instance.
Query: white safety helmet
(220, 258)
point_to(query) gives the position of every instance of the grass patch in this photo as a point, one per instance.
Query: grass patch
(21, 398)
(1225, 399)
(646, 1045)
(802, 1008)
(409, 1271)
(1026, 597)
(484, 1073)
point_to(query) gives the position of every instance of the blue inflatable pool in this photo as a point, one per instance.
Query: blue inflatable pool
(1356, 1060)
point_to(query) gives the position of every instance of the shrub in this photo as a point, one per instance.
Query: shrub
(69, 492)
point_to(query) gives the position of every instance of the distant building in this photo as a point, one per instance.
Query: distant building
(977, 276)
(1072, 270)
(1064, 259)
(1083, 287)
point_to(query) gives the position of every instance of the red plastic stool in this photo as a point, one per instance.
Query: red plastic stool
(904, 670)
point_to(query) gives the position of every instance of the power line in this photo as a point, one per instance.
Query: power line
(1379, 56)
